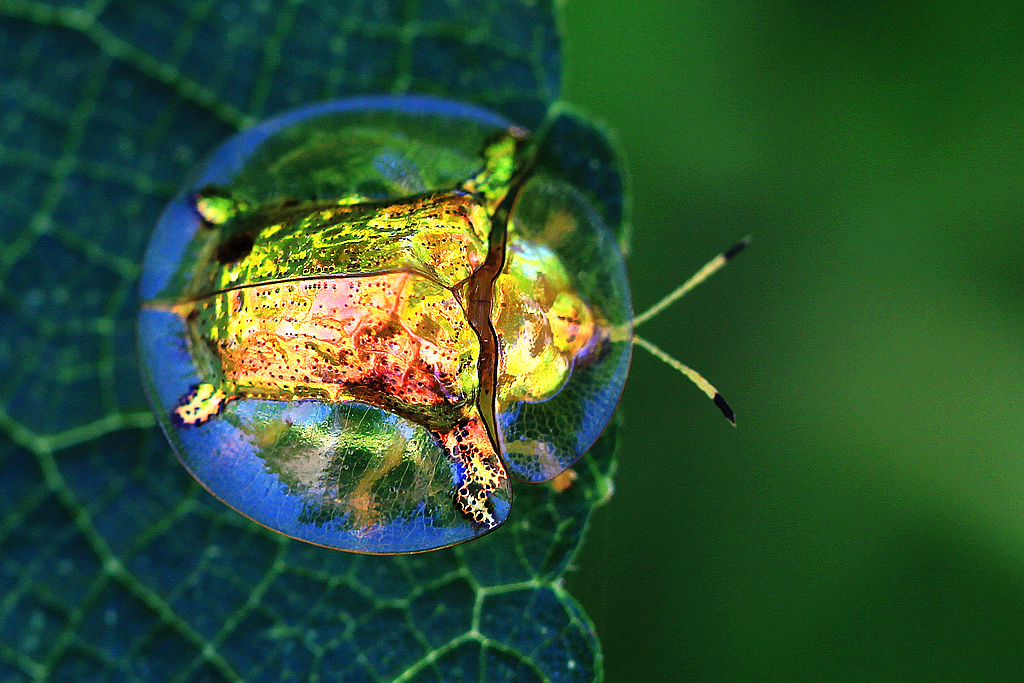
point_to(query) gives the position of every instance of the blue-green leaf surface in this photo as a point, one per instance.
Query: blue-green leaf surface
(114, 564)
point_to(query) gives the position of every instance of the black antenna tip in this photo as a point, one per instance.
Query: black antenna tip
(724, 407)
(736, 248)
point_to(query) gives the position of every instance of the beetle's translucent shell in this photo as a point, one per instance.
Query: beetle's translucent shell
(360, 319)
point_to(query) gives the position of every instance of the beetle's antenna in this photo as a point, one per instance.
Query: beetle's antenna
(694, 376)
(700, 276)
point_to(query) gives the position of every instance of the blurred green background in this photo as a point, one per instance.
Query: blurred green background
(865, 521)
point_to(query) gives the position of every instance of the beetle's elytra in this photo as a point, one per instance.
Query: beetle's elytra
(360, 319)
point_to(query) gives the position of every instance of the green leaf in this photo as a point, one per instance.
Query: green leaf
(114, 564)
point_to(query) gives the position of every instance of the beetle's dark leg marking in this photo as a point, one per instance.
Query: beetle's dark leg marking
(235, 248)
(480, 472)
(199, 405)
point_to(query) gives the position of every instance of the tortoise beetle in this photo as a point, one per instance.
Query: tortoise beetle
(361, 318)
